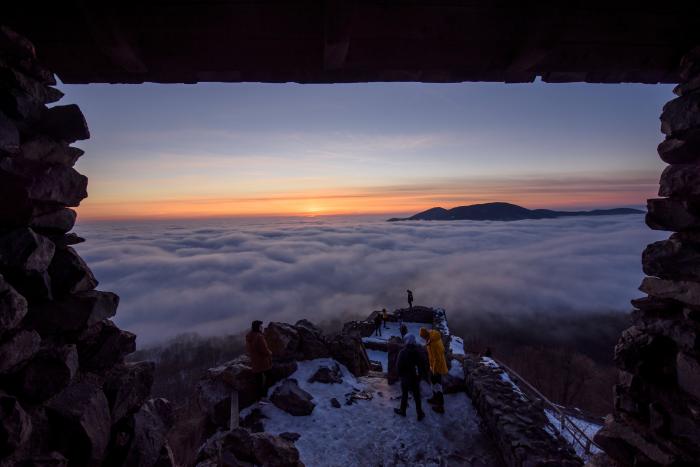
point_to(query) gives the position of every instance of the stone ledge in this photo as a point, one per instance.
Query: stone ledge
(515, 423)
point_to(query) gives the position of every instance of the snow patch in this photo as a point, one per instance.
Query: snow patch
(587, 427)
(457, 345)
(368, 432)
(392, 330)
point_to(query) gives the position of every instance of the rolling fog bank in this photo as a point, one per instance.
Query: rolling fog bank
(213, 277)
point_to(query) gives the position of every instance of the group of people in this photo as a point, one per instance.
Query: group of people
(383, 317)
(415, 363)
(413, 367)
(379, 319)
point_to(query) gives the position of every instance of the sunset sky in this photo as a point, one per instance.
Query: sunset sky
(206, 150)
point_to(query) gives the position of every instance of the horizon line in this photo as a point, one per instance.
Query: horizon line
(302, 214)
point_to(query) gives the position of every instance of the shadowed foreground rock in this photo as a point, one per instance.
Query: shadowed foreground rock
(233, 448)
(657, 398)
(66, 395)
(288, 343)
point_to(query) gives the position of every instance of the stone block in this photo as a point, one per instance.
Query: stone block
(44, 149)
(127, 387)
(13, 307)
(680, 181)
(81, 423)
(48, 373)
(17, 348)
(672, 259)
(15, 425)
(70, 274)
(684, 149)
(673, 214)
(65, 123)
(73, 312)
(9, 135)
(682, 291)
(681, 114)
(688, 373)
(104, 345)
(56, 221)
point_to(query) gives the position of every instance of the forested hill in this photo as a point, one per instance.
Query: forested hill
(505, 212)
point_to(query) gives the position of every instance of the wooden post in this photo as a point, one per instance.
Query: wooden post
(233, 422)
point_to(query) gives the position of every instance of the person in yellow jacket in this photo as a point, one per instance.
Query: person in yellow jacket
(438, 366)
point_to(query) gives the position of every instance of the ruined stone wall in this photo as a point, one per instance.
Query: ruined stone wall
(66, 395)
(657, 398)
(516, 424)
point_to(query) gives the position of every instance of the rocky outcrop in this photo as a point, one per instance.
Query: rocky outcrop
(301, 341)
(348, 350)
(517, 425)
(305, 341)
(416, 314)
(327, 375)
(66, 395)
(213, 392)
(241, 447)
(288, 396)
(657, 398)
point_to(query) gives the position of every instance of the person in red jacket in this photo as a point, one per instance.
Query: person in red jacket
(260, 355)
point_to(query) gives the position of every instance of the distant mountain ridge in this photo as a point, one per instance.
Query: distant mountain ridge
(505, 212)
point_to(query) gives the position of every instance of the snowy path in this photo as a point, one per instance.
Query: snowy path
(392, 330)
(368, 433)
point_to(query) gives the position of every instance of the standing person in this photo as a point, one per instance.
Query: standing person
(260, 356)
(438, 366)
(412, 368)
(403, 330)
(385, 317)
(378, 325)
(410, 299)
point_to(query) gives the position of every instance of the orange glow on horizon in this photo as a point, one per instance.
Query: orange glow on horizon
(348, 203)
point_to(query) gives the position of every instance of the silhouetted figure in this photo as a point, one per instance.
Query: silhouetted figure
(403, 329)
(412, 368)
(260, 356)
(385, 317)
(438, 366)
(410, 299)
(378, 325)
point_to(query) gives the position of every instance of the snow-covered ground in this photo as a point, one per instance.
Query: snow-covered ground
(368, 433)
(392, 329)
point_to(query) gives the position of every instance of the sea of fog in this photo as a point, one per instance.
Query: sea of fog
(215, 276)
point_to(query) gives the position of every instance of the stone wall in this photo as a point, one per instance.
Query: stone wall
(657, 399)
(66, 394)
(516, 424)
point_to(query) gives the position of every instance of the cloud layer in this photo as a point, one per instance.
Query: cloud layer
(215, 276)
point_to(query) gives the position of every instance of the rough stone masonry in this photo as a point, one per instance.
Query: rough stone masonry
(66, 394)
(657, 398)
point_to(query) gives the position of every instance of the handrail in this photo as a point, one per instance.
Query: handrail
(571, 427)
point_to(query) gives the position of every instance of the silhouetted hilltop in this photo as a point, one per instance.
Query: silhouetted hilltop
(504, 212)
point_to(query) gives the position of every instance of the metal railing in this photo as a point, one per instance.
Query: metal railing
(579, 436)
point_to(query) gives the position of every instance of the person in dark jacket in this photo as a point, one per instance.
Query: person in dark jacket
(403, 330)
(260, 356)
(412, 366)
(378, 324)
(410, 299)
